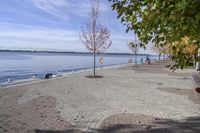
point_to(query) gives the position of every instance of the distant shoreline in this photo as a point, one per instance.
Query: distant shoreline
(70, 52)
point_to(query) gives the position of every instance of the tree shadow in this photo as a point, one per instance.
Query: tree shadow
(191, 94)
(188, 125)
(95, 77)
(57, 131)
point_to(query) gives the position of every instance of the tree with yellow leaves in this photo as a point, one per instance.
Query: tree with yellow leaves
(185, 48)
(160, 49)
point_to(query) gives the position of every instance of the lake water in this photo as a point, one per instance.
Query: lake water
(23, 65)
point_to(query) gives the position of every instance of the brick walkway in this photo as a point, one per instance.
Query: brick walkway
(38, 113)
(126, 99)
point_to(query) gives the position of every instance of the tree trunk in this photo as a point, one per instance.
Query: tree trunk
(135, 52)
(159, 56)
(195, 62)
(198, 63)
(135, 59)
(94, 65)
(198, 66)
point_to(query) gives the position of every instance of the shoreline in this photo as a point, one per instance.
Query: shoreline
(31, 67)
(63, 74)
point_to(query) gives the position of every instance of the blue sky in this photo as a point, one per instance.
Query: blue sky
(55, 25)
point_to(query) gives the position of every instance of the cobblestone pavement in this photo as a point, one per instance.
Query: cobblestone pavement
(76, 103)
(34, 114)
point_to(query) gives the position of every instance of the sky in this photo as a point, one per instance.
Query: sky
(56, 25)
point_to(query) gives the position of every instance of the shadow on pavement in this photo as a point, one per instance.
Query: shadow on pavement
(189, 125)
(54, 131)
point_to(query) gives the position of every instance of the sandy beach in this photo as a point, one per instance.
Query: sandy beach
(148, 98)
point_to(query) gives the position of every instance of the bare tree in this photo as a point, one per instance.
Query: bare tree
(95, 36)
(134, 47)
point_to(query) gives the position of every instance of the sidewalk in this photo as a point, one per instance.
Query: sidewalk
(126, 99)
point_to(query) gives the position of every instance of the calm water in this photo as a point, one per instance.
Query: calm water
(23, 65)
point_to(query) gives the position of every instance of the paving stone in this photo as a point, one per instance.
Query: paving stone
(90, 101)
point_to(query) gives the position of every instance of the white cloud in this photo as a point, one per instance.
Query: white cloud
(51, 2)
(40, 34)
(54, 39)
(66, 40)
(52, 7)
(64, 8)
(42, 39)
